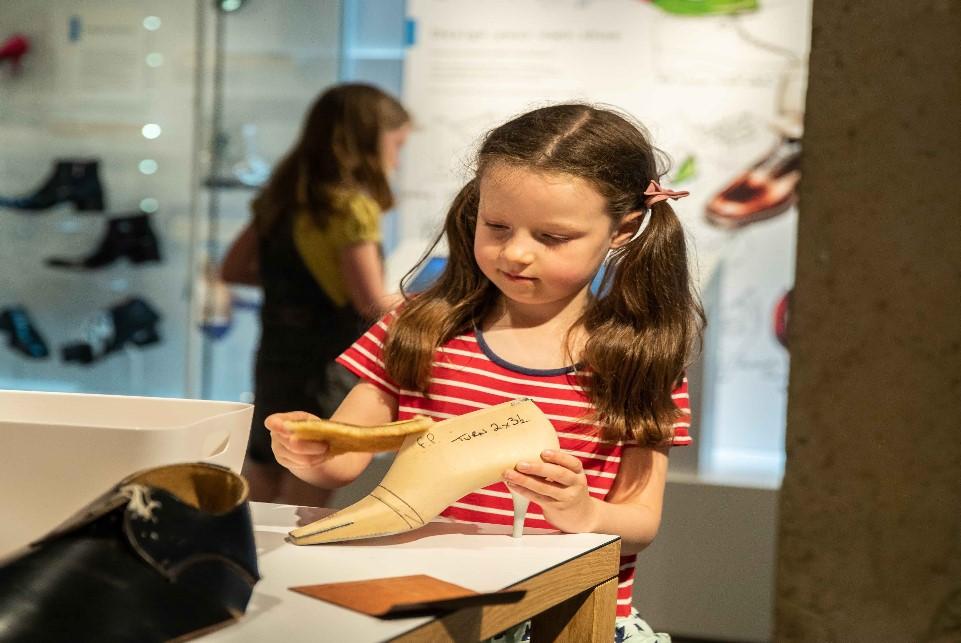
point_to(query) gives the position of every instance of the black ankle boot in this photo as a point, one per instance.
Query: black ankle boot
(133, 321)
(130, 236)
(76, 181)
(24, 336)
(166, 554)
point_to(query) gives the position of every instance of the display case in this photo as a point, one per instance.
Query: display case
(97, 195)
(134, 138)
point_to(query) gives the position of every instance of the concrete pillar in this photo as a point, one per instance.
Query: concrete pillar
(870, 512)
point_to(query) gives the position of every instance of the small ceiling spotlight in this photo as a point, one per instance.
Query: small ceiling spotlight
(229, 6)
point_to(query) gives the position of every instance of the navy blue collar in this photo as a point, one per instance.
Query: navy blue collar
(538, 372)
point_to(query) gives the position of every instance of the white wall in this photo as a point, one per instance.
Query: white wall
(710, 573)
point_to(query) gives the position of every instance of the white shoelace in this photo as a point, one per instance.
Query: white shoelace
(98, 331)
(140, 501)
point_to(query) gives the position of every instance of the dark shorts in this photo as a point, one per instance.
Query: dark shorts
(278, 389)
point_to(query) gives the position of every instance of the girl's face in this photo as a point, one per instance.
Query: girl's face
(390, 143)
(541, 237)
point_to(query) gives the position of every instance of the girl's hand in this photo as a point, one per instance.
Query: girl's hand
(296, 455)
(558, 484)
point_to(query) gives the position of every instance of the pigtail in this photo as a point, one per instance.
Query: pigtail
(641, 332)
(449, 307)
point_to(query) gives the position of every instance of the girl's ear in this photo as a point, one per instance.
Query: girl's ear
(627, 228)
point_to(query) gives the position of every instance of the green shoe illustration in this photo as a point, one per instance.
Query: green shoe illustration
(706, 7)
(686, 171)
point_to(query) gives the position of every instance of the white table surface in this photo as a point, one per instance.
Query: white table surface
(483, 558)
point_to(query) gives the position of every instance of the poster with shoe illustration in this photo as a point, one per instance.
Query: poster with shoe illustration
(720, 84)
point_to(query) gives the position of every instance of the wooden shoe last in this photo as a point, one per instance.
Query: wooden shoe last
(437, 467)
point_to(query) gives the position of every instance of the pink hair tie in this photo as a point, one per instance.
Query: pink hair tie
(655, 193)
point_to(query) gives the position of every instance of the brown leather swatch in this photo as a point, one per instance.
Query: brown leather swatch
(403, 595)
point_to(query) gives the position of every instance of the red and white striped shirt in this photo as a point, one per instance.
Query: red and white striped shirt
(465, 376)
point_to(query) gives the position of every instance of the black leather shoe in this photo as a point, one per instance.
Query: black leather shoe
(168, 553)
(132, 321)
(77, 181)
(131, 237)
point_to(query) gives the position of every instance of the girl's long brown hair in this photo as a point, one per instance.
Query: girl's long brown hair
(338, 148)
(641, 330)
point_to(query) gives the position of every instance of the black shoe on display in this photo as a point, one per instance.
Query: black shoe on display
(77, 181)
(129, 236)
(133, 321)
(24, 336)
(166, 554)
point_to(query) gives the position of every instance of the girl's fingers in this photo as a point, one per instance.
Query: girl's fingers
(297, 454)
(549, 472)
(298, 463)
(275, 421)
(563, 459)
(290, 459)
(307, 447)
(539, 486)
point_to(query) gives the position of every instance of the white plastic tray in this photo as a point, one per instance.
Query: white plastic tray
(62, 450)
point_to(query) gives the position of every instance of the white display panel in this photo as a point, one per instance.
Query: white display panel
(717, 93)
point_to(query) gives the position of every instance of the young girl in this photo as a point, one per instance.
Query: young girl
(314, 247)
(557, 192)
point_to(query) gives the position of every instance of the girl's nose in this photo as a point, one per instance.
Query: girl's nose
(518, 252)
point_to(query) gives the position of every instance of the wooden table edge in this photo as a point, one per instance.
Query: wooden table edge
(576, 596)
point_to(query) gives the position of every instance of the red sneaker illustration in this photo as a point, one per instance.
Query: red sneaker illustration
(781, 316)
(767, 189)
(13, 49)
